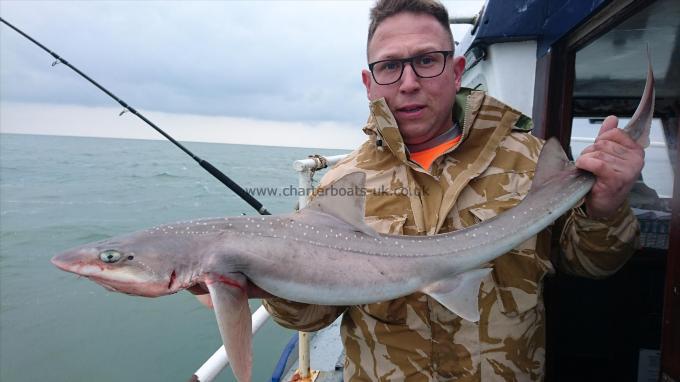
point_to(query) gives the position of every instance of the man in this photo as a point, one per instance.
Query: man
(464, 157)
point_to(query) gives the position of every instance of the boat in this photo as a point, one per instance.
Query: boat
(568, 65)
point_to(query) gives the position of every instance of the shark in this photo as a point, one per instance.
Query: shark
(326, 254)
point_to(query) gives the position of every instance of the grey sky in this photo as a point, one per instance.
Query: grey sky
(263, 60)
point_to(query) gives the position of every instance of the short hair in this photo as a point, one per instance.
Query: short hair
(383, 9)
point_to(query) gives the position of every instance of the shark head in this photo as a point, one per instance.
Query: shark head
(137, 264)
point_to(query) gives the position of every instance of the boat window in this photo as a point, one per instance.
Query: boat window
(610, 75)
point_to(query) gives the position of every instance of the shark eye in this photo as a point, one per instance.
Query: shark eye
(110, 256)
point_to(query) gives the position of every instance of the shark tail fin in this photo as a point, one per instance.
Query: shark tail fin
(641, 122)
(552, 160)
(346, 200)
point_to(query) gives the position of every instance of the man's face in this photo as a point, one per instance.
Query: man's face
(423, 107)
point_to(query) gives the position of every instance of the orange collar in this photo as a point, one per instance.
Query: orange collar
(426, 157)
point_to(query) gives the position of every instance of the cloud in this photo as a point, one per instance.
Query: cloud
(289, 61)
(280, 60)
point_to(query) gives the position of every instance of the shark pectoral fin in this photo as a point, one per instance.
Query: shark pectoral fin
(345, 199)
(230, 300)
(460, 294)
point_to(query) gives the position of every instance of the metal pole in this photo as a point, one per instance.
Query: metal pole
(303, 360)
(304, 167)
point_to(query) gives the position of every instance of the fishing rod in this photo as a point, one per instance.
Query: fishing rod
(205, 164)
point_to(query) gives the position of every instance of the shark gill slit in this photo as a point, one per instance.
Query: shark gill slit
(173, 276)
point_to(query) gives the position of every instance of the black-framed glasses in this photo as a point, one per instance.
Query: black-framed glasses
(426, 65)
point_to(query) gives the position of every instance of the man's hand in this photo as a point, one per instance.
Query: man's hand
(616, 160)
(202, 294)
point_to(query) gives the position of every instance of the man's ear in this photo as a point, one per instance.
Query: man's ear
(368, 81)
(458, 68)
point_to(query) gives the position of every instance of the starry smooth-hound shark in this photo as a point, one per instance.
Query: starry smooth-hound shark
(326, 254)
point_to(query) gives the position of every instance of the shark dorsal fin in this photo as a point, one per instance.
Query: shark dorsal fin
(551, 162)
(345, 199)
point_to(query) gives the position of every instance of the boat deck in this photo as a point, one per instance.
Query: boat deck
(327, 355)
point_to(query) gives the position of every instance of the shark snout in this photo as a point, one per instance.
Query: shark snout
(59, 262)
(77, 262)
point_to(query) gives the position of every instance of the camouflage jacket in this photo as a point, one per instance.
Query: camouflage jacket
(415, 338)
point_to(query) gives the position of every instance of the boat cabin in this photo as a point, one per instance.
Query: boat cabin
(569, 64)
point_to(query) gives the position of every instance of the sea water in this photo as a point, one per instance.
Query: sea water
(60, 192)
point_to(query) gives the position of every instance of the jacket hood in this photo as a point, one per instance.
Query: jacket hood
(383, 127)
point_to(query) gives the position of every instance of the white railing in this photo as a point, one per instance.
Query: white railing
(218, 361)
(592, 140)
(306, 169)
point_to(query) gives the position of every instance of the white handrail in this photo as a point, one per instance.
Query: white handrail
(592, 140)
(313, 163)
(305, 169)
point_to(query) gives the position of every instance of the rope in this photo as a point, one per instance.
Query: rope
(320, 162)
